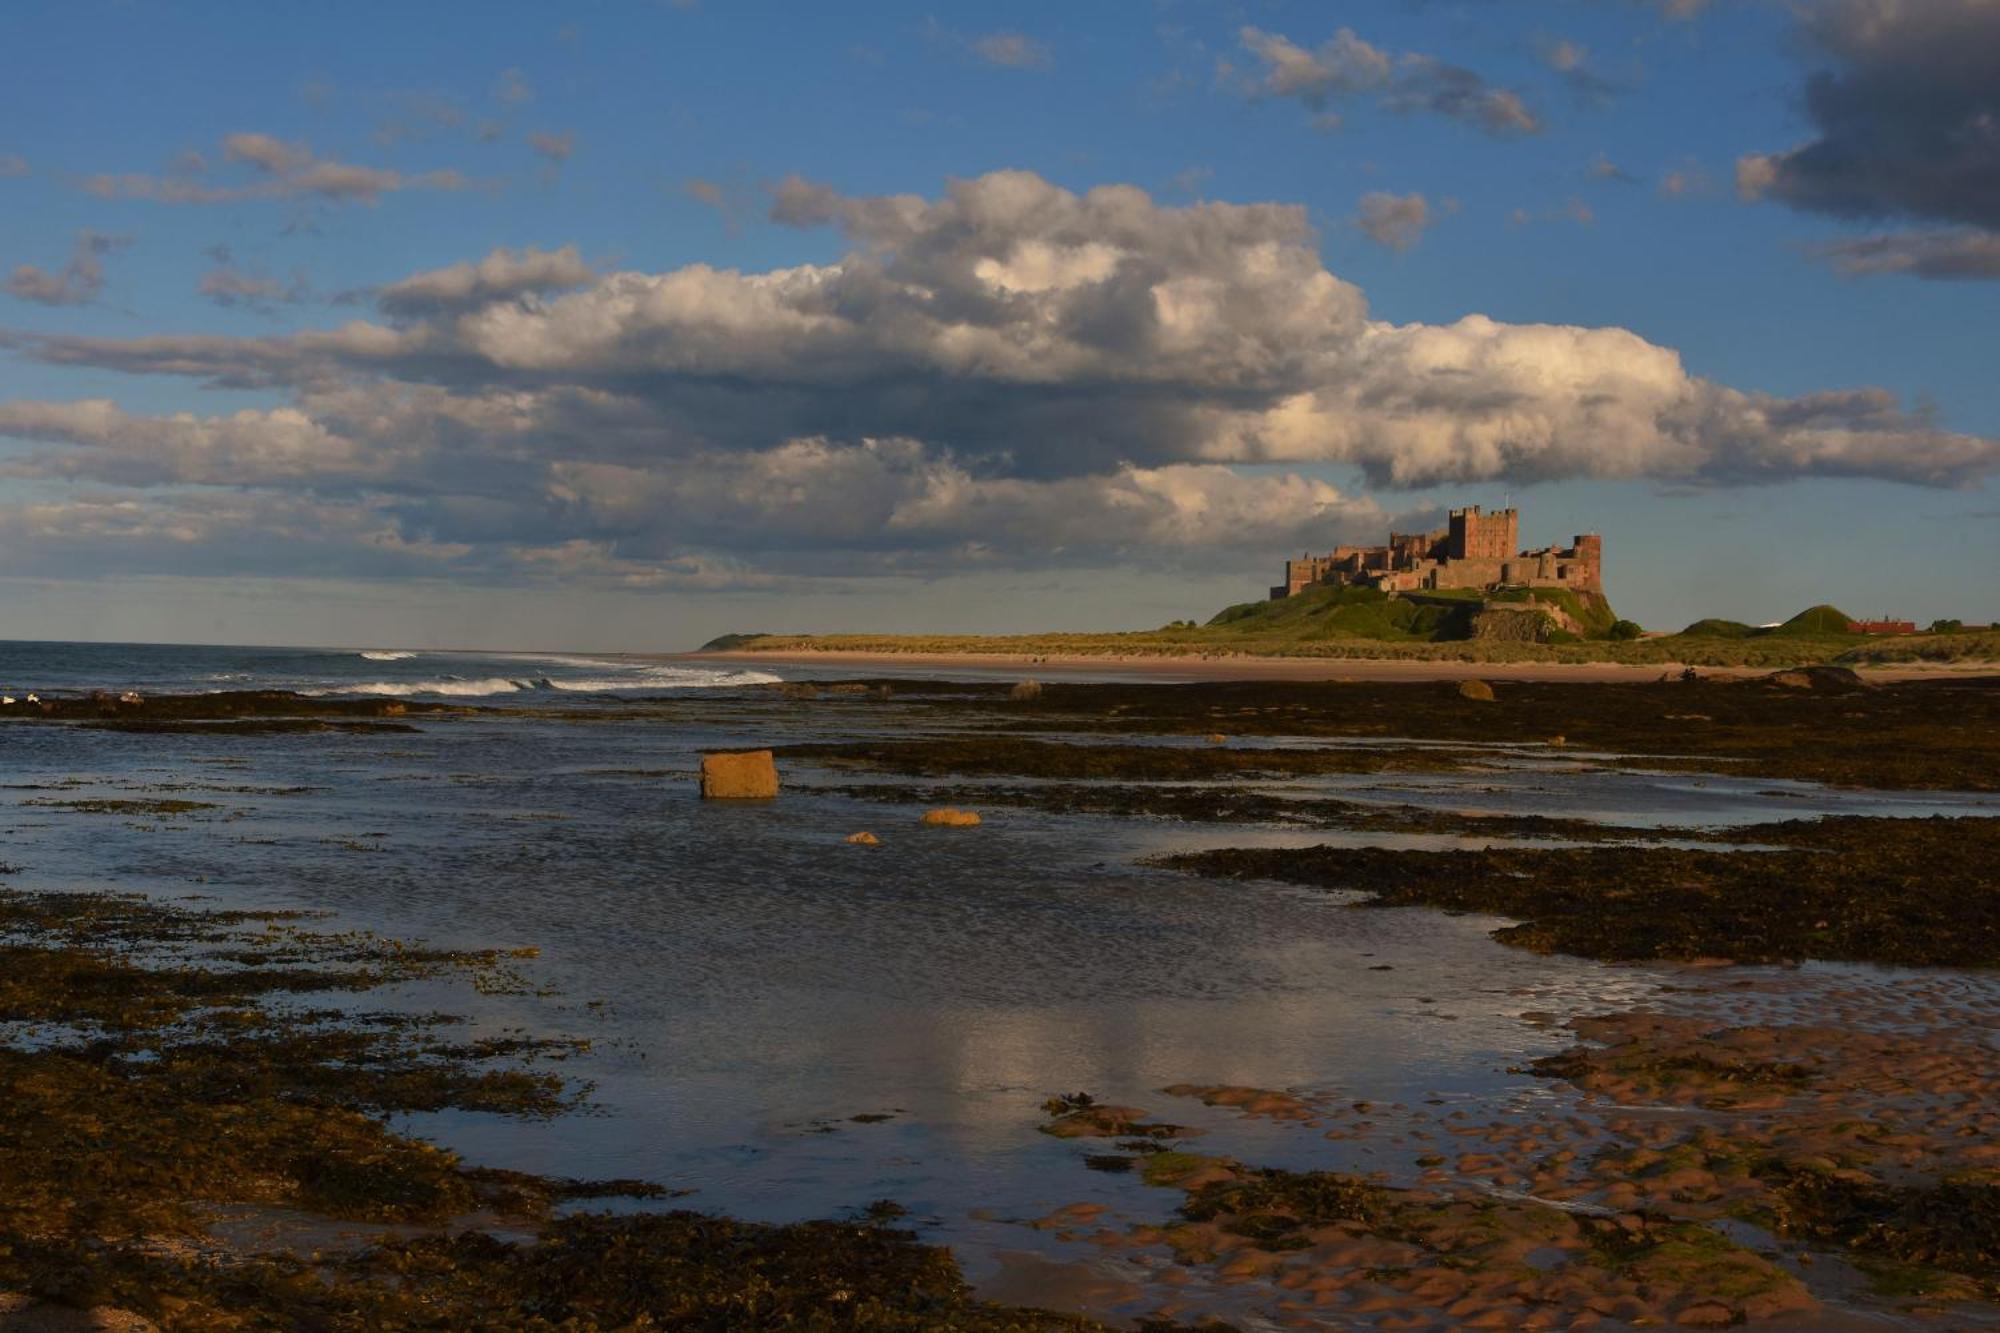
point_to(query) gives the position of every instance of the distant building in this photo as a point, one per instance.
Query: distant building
(1473, 550)
(1881, 627)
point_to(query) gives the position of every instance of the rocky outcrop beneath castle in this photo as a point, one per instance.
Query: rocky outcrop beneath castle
(1512, 624)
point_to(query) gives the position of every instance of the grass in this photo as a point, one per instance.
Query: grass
(1362, 623)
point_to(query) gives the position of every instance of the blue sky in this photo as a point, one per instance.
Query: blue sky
(193, 206)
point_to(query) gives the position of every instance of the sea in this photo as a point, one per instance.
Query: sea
(788, 1026)
(57, 668)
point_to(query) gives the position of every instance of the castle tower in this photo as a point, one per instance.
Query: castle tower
(1590, 554)
(1476, 536)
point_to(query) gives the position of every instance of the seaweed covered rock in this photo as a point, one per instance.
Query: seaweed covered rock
(1828, 678)
(1475, 689)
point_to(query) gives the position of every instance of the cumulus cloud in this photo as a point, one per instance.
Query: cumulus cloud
(1009, 374)
(1906, 110)
(1346, 66)
(1394, 220)
(1963, 252)
(279, 170)
(76, 283)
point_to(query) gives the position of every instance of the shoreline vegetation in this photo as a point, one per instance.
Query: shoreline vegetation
(167, 1064)
(1358, 624)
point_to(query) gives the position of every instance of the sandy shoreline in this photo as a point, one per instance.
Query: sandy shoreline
(1163, 668)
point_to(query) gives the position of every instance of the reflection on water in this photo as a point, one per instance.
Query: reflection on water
(762, 982)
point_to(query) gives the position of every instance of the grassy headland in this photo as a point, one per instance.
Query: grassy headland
(1449, 625)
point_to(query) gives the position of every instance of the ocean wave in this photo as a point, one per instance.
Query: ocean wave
(666, 678)
(388, 655)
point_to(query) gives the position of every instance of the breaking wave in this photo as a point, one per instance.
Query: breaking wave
(657, 678)
(387, 655)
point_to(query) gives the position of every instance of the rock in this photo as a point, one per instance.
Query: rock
(749, 775)
(862, 839)
(1026, 691)
(1709, 1314)
(1832, 678)
(1216, 738)
(1475, 689)
(1558, 740)
(946, 817)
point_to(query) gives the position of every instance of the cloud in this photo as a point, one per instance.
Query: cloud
(1907, 114)
(77, 283)
(1964, 252)
(1011, 50)
(229, 287)
(1682, 181)
(12, 164)
(280, 170)
(1003, 49)
(1604, 169)
(513, 89)
(1346, 66)
(555, 147)
(1572, 210)
(1571, 60)
(266, 153)
(1005, 375)
(502, 275)
(1394, 220)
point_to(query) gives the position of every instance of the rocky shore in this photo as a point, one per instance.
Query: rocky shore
(1796, 1131)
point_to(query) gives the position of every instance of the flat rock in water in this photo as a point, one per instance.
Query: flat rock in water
(749, 775)
(949, 818)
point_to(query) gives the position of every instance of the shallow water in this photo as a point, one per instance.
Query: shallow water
(751, 983)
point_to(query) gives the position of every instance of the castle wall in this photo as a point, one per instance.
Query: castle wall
(1474, 550)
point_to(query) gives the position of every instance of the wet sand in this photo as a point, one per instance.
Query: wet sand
(1229, 667)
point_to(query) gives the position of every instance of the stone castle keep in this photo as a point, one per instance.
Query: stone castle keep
(1473, 550)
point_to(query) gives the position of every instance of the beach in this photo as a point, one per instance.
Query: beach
(1239, 666)
(1306, 1003)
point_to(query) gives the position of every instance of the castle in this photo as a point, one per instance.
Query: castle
(1473, 550)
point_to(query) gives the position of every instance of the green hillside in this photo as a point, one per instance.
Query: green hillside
(1816, 621)
(1433, 616)
(1447, 624)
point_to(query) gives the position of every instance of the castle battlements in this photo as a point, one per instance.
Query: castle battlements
(1472, 550)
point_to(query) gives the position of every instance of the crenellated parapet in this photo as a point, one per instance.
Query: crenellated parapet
(1474, 549)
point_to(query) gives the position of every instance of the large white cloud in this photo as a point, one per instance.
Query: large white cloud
(1011, 373)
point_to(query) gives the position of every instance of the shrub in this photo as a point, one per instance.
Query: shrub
(1624, 629)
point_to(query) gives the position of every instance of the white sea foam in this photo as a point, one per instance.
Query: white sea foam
(655, 678)
(387, 655)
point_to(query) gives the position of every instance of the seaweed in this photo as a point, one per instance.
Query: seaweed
(1906, 891)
